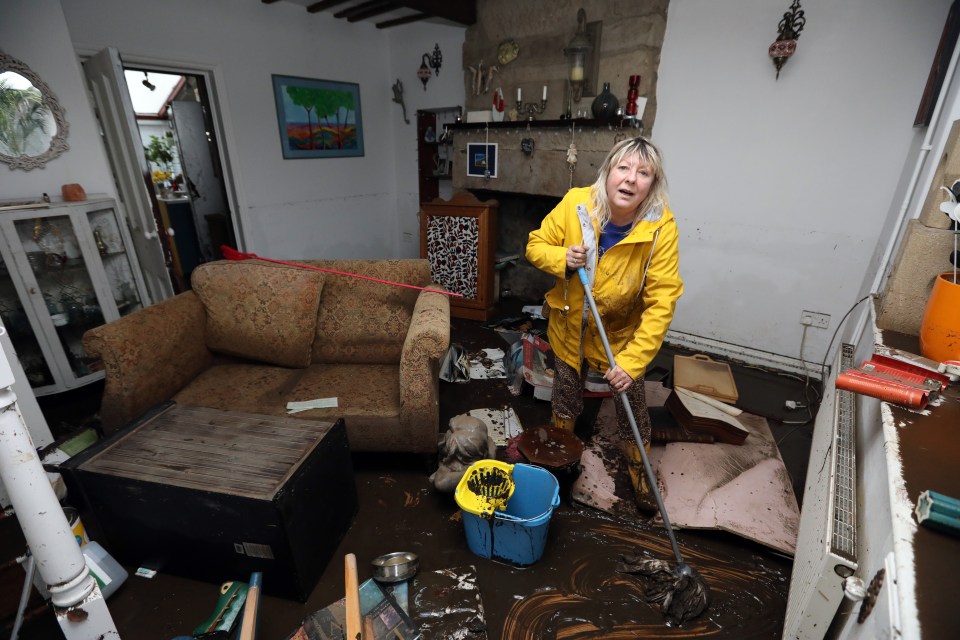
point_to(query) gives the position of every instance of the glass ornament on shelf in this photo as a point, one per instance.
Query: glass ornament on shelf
(604, 106)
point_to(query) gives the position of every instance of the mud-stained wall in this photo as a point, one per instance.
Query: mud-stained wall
(631, 36)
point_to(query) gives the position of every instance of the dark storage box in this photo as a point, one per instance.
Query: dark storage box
(217, 495)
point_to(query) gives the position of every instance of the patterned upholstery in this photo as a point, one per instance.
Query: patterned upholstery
(364, 321)
(376, 349)
(259, 310)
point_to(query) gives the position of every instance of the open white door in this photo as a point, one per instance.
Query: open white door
(104, 72)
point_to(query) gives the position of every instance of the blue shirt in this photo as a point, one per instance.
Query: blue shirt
(611, 235)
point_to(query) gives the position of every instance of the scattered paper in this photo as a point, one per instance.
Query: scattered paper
(487, 364)
(535, 311)
(306, 405)
(502, 423)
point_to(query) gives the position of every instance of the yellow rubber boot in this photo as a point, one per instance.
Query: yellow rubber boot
(567, 424)
(646, 503)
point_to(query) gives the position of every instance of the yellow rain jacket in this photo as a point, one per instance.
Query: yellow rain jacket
(635, 321)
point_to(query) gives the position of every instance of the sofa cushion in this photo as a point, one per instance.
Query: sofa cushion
(248, 388)
(362, 321)
(260, 311)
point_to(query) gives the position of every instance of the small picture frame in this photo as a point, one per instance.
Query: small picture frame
(482, 159)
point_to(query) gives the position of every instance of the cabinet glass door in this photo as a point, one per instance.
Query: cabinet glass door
(63, 279)
(116, 260)
(17, 324)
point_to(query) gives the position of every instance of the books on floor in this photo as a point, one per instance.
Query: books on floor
(706, 416)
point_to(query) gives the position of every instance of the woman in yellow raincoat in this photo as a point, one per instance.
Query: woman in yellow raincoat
(621, 230)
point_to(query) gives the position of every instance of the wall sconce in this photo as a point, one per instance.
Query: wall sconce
(424, 72)
(579, 55)
(426, 62)
(788, 31)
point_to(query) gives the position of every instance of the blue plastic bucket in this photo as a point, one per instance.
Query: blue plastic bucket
(517, 535)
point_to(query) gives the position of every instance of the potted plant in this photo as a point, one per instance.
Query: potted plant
(159, 153)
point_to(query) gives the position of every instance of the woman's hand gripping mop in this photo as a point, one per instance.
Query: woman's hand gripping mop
(681, 593)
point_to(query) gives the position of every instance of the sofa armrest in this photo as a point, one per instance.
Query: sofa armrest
(426, 343)
(148, 356)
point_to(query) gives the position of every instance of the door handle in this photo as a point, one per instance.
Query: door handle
(171, 232)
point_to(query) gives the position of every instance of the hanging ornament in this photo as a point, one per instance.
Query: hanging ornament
(424, 72)
(436, 59)
(788, 31)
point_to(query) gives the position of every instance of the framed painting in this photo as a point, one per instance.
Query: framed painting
(318, 118)
(481, 159)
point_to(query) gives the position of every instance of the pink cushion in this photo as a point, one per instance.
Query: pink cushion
(260, 311)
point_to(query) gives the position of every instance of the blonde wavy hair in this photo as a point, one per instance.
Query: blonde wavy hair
(657, 198)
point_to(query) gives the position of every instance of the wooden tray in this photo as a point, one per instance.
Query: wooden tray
(701, 374)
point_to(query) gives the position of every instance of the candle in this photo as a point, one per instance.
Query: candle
(519, 94)
(544, 92)
(576, 73)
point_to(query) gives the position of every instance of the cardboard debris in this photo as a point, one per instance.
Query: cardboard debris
(502, 423)
(487, 364)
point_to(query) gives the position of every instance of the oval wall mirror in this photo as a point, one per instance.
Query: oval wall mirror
(33, 129)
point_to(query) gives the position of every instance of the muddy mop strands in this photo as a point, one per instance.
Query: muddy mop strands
(681, 593)
(229, 253)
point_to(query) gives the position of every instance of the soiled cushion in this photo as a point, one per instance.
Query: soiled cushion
(259, 310)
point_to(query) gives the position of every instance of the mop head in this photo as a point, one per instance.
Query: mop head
(680, 593)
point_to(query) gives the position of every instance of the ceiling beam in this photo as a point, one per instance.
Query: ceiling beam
(317, 7)
(404, 20)
(357, 8)
(463, 11)
(382, 7)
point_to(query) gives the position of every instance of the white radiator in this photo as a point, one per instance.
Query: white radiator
(827, 542)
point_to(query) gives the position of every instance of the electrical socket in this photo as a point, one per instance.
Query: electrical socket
(815, 319)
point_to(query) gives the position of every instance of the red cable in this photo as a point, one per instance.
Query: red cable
(232, 254)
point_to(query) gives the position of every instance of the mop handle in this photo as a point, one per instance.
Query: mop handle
(630, 417)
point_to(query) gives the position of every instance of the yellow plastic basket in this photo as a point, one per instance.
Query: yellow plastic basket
(485, 487)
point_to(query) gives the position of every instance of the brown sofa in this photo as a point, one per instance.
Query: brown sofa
(253, 335)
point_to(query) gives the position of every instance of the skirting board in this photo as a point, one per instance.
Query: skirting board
(745, 354)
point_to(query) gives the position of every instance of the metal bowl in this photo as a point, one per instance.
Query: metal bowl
(395, 567)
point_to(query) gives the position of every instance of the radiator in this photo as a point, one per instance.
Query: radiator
(826, 550)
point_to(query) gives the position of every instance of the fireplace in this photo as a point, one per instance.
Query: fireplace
(519, 214)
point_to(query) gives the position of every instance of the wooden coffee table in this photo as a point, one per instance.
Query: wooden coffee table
(217, 495)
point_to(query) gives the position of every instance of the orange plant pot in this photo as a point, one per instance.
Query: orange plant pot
(940, 327)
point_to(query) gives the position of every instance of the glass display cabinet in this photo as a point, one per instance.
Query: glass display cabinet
(64, 268)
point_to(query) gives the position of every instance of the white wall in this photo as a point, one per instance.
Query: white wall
(782, 187)
(446, 89)
(345, 207)
(35, 32)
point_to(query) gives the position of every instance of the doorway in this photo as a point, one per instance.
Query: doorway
(162, 131)
(174, 121)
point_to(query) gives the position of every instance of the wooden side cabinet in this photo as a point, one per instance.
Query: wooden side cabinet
(459, 236)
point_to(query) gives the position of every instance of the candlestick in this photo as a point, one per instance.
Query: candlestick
(530, 109)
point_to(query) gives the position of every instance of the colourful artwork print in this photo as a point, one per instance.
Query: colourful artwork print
(318, 118)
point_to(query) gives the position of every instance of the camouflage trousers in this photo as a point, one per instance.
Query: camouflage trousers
(567, 400)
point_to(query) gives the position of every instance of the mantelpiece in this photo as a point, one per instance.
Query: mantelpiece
(544, 171)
